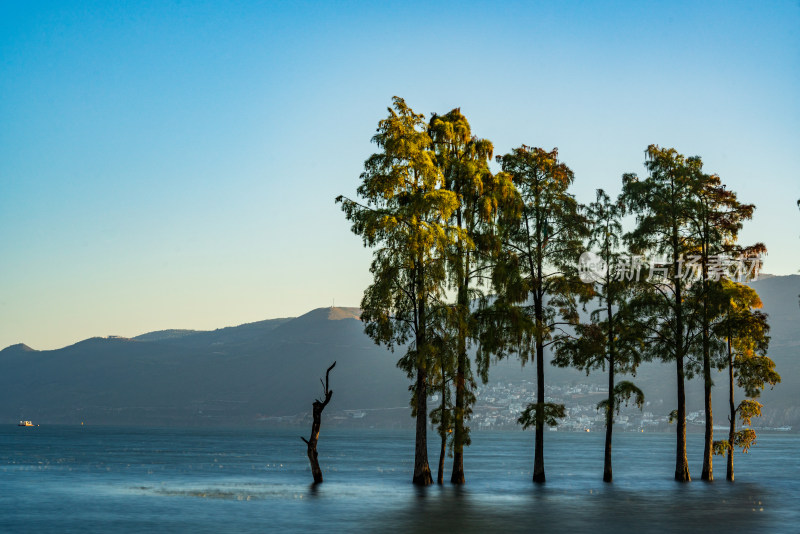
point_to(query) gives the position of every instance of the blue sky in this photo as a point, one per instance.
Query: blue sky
(174, 165)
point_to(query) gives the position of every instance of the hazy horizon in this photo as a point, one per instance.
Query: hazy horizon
(175, 166)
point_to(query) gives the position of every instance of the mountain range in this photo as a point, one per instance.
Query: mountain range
(268, 372)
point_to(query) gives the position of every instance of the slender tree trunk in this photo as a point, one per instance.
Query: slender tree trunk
(732, 432)
(440, 474)
(607, 474)
(681, 462)
(538, 455)
(422, 471)
(457, 477)
(443, 408)
(708, 451)
(708, 447)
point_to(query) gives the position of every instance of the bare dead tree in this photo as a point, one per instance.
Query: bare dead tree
(311, 443)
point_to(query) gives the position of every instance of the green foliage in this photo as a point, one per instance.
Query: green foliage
(538, 414)
(673, 416)
(721, 447)
(746, 332)
(665, 208)
(742, 439)
(613, 331)
(754, 372)
(405, 215)
(536, 274)
(748, 409)
(464, 162)
(623, 391)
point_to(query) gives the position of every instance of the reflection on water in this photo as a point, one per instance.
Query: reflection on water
(132, 480)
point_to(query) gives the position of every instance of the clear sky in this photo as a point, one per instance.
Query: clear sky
(175, 164)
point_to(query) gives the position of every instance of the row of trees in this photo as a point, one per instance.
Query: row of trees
(473, 262)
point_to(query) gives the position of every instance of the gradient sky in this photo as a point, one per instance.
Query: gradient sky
(175, 165)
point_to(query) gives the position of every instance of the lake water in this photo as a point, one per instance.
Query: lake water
(84, 479)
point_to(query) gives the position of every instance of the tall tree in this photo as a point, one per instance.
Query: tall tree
(536, 278)
(612, 338)
(717, 219)
(745, 330)
(464, 161)
(663, 203)
(405, 215)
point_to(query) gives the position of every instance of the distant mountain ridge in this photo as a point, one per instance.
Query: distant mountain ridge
(246, 374)
(233, 375)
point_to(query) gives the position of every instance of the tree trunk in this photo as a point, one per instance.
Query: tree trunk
(538, 453)
(457, 477)
(422, 472)
(311, 443)
(732, 432)
(440, 474)
(444, 430)
(681, 462)
(708, 451)
(708, 447)
(607, 474)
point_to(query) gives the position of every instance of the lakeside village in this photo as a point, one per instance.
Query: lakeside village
(499, 405)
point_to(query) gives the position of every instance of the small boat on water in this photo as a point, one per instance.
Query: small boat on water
(25, 423)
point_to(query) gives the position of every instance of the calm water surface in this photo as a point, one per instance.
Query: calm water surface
(84, 479)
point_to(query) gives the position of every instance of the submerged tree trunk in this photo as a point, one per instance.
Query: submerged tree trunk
(681, 462)
(444, 430)
(708, 447)
(422, 471)
(538, 455)
(732, 432)
(311, 443)
(607, 474)
(440, 474)
(708, 451)
(457, 477)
